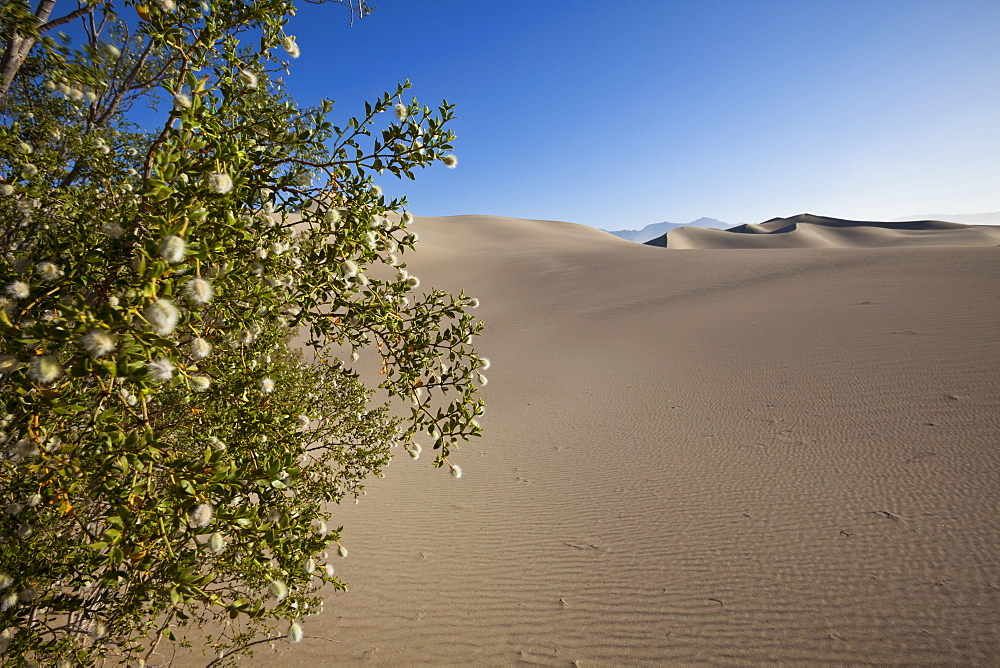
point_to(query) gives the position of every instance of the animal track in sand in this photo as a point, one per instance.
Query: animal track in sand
(589, 546)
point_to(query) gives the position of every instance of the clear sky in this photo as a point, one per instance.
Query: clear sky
(621, 113)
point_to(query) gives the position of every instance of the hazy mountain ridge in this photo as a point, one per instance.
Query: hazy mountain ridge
(655, 230)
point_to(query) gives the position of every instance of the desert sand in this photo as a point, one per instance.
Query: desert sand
(695, 456)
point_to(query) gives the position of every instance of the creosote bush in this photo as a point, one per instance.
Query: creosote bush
(169, 457)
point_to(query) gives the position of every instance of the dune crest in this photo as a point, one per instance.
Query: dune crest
(809, 231)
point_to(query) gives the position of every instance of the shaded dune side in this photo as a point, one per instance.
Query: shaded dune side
(809, 231)
(703, 457)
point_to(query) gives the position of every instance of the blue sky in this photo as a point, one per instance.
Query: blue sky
(619, 113)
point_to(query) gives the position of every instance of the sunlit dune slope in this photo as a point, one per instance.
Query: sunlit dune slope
(693, 457)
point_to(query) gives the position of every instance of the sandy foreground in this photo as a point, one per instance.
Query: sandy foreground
(693, 456)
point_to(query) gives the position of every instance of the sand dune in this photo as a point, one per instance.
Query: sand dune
(697, 457)
(809, 231)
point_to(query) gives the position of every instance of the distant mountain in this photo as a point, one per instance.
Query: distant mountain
(964, 218)
(659, 229)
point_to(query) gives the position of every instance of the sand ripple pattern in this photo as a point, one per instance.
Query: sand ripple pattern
(695, 457)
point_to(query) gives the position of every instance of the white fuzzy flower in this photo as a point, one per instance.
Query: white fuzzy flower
(113, 230)
(484, 363)
(44, 369)
(24, 530)
(200, 383)
(412, 282)
(319, 527)
(217, 543)
(173, 249)
(160, 370)
(6, 189)
(51, 445)
(249, 79)
(182, 100)
(24, 147)
(5, 581)
(295, 632)
(304, 421)
(401, 112)
(414, 450)
(332, 215)
(244, 337)
(278, 590)
(449, 160)
(220, 183)
(162, 315)
(199, 291)
(202, 515)
(33, 502)
(266, 385)
(91, 96)
(342, 551)
(290, 46)
(165, 5)
(199, 348)
(111, 50)
(13, 509)
(474, 303)
(99, 629)
(8, 601)
(349, 269)
(456, 471)
(30, 169)
(329, 570)
(483, 380)
(97, 343)
(18, 290)
(8, 364)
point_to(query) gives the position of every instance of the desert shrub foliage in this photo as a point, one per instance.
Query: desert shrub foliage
(180, 312)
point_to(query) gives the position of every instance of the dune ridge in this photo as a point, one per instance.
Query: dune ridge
(809, 231)
(702, 457)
